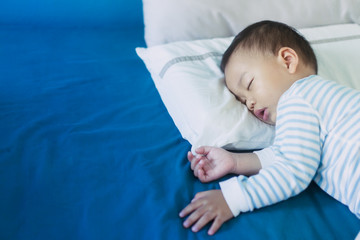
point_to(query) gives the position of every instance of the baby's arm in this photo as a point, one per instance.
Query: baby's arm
(212, 163)
(296, 156)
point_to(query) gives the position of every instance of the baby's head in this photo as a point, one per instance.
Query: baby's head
(262, 62)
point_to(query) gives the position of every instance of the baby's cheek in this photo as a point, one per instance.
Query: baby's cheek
(273, 118)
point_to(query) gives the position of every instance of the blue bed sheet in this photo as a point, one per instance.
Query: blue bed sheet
(88, 150)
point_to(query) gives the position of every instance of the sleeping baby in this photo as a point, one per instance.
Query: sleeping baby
(272, 69)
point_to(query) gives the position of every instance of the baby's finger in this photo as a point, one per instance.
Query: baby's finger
(201, 175)
(215, 226)
(199, 195)
(204, 150)
(194, 217)
(189, 208)
(195, 161)
(205, 218)
(198, 167)
(190, 156)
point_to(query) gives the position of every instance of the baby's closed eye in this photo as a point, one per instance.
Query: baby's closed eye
(250, 83)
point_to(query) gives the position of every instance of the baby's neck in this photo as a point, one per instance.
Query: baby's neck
(304, 71)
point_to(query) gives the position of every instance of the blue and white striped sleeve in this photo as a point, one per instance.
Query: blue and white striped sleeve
(296, 149)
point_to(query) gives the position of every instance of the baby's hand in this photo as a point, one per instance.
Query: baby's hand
(211, 163)
(205, 207)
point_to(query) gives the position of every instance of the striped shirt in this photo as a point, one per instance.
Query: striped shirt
(317, 138)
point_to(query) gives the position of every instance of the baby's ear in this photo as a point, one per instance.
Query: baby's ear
(289, 58)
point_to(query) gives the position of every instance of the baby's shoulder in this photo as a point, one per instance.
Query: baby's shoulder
(308, 88)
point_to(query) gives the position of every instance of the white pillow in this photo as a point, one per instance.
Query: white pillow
(173, 20)
(191, 85)
(337, 49)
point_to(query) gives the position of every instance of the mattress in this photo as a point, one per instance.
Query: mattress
(89, 151)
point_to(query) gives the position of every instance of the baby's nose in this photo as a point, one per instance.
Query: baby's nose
(250, 105)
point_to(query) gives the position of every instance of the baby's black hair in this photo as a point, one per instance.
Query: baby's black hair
(269, 37)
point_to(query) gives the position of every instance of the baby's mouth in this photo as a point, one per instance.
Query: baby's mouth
(262, 114)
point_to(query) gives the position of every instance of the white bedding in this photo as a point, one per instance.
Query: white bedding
(172, 20)
(190, 83)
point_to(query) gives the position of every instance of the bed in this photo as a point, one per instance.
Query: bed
(88, 149)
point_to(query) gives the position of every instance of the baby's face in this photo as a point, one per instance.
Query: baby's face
(258, 81)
